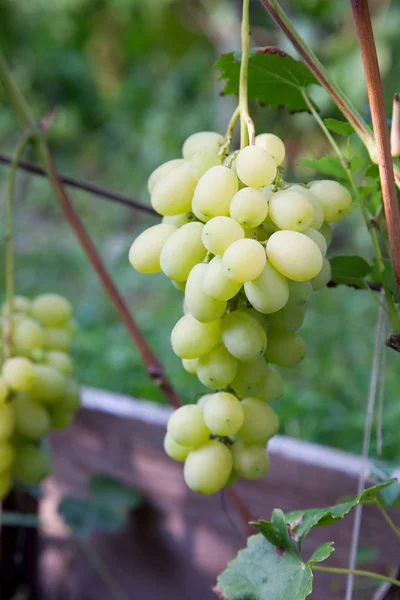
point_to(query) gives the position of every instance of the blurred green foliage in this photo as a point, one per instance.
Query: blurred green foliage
(129, 81)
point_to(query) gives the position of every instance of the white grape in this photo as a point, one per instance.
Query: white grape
(217, 369)
(162, 171)
(221, 232)
(18, 373)
(243, 336)
(255, 167)
(269, 292)
(318, 211)
(273, 386)
(273, 145)
(244, 260)
(249, 207)
(250, 460)
(216, 284)
(294, 255)
(327, 233)
(260, 422)
(318, 238)
(285, 349)
(214, 192)
(192, 339)
(202, 141)
(144, 254)
(223, 414)
(187, 427)
(182, 250)
(173, 194)
(203, 307)
(178, 220)
(202, 162)
(190, 365)
(52, 310)
(335, 199)
(250, 377)
(299, 294)
(174, 450)
(289, 319)
(208, 468)
(289, 209)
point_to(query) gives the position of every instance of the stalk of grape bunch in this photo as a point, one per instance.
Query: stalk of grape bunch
(247, 249)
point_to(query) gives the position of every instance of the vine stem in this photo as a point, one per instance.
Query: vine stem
(225, 148)
(362, 19)
(321, 74)
(360, 572)
(9, 245)
(153, 366)
(387, 518)
(247, 131)
(394, 317)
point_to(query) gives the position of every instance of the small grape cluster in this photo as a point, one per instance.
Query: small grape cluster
(247, 249)
(37, 392)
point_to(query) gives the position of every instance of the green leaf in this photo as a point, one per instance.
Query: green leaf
(261, 572)
(349, 270)
(372, 171)
(108, 491)
(328, 165)
(275, 78)
(380, 472)
(388, 278)
(302, 521)
(322, 553)
(85, 517)
(276, 531)
(340, 127)
(17, 519)
(356, 164)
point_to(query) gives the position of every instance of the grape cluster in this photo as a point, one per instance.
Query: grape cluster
(37, 392)
(248, 250)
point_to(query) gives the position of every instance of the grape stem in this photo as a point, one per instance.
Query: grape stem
(387, 518)
(247, 131)
(394, 317)
(225, 148)
(360, 572)
(9, 245)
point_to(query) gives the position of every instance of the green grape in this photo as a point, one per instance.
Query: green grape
(174, 450)
(6, 457)
(192, 339)
(244, 260)
(71, 399)
(214, 192)
(323, 277)
(223, 414)
(250, 378)
(187, 428)
(249, 207)
(18, 373)
(251, 233)
(299, 294)
(318, 238)
(173, 194)
(57, 338)
(182, 250)
(161, 171)
(294, 255)
(48, 385)
(208, 468)
(5, 484)
(266, 228)
(269, 292)
(273, 386)
(216, 284)
(255, 167)
(288, 320)
(178, 220)
(144, 253)
(327, 233)
(273, 145)
(20, 304)
(27, 336)
(60, 361)
(6, 421)
(203, 307)
(249, 460)
(190, 365)
(260, 422)
(335, 199)
(285, 349)
(221, 232)
(217, 368)
(202, 162)
(51, 309)
(60, 417)
(243, 336)
(318, 211)
(289, 209)
(202, 141)
(31, 464)
(31, 419)
(3, 391)
(203, 399)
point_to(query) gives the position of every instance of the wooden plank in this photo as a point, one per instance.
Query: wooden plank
(177, 545)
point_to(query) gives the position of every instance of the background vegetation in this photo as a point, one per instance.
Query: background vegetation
(129, 81)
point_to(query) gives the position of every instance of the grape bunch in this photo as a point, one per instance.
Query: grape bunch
(247, 250)
(37, 392)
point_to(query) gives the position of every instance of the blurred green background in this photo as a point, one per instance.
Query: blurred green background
(129, 81)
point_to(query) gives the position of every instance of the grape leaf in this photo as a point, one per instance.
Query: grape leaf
(276, 531)
(329, 165)
(388, 276)
(261, 572)
(340, 127)
(349, 270)
(275, 78)
(321, 553)
(107, 491)
(302, 521)
(356, 164)
(389, 496)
